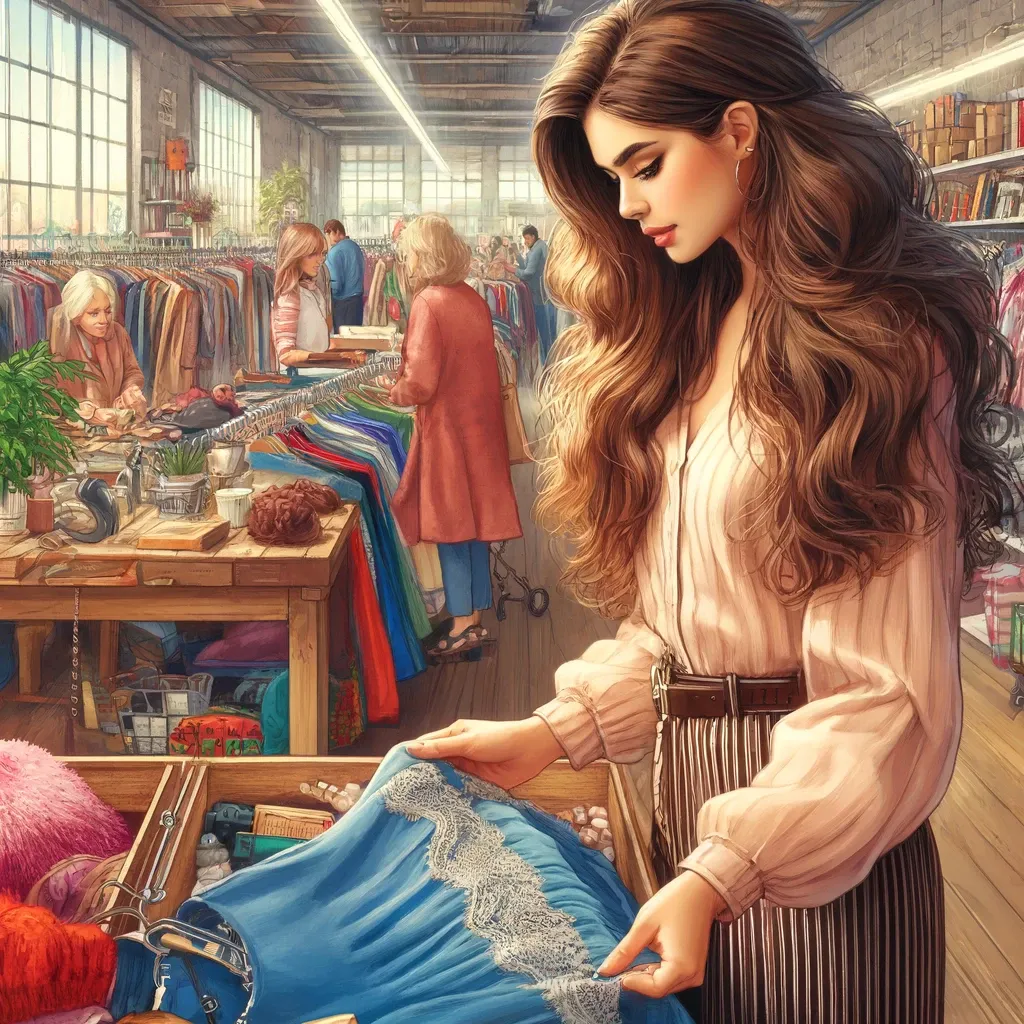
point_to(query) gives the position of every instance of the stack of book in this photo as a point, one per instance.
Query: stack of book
(958, 128)
(990, 195)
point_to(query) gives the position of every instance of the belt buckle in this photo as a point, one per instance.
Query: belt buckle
(732, 694)
(659, 675)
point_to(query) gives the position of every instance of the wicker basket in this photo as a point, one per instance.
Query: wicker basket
(183, 497)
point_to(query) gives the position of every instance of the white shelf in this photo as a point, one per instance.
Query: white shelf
(1007, 158)
(1005, 222)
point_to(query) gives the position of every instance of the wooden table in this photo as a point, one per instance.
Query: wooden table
(238, 580)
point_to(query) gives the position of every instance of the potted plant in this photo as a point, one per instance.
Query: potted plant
(182, 485)
(31, 444)
(282, 199)
(201, 208)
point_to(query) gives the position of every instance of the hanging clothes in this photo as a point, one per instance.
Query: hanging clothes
(189, 325)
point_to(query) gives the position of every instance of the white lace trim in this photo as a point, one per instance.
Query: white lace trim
(505, 904)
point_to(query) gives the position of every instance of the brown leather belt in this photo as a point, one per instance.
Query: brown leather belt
(680, 695)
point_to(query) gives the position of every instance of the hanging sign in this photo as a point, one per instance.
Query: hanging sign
(168, 112)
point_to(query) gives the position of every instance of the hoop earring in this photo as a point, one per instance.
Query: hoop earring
(749, 149)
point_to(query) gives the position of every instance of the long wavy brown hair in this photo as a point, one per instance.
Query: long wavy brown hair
(856, 286)
(296, 243)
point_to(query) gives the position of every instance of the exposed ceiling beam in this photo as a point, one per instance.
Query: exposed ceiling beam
(345, 116)
(232, 10)
(188, 45)
(281, 34)
(474, 129)
(255, 57)
(469, 89)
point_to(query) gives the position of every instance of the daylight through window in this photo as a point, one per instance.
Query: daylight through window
(63, 127)
(227, 161)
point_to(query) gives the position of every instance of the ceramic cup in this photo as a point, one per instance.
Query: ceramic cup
(234, 505)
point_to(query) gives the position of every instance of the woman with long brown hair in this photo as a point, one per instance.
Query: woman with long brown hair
(301, 318)
(767, 450)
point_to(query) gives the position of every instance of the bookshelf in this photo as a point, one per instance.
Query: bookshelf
(981, 163)
(994, 222)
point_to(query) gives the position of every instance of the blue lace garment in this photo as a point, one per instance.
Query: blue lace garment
(437, 900)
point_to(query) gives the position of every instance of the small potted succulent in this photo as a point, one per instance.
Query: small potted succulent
(32, 448)
(182, 487)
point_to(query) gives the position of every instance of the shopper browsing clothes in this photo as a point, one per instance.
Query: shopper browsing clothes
(346, 262)
(84, 328)
(768, 451)
(531, 272)
(456, 491)
(301, 322)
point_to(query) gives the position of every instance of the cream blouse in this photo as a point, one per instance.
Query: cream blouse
(857, 769)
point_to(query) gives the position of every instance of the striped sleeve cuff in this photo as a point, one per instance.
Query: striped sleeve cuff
(574, 729)
(728, 870)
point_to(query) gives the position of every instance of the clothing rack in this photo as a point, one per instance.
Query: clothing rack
(273, 415)
(162, 257)
(377, 246)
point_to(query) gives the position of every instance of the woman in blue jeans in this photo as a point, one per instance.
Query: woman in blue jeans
(456, 491)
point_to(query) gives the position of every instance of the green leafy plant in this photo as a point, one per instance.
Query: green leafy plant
(288, 185)
(186, 458)
(31, 402)
(201, 207)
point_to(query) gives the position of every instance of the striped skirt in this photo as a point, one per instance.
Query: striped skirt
(874, 956)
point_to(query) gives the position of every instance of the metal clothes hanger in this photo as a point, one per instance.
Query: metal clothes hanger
(270, 416)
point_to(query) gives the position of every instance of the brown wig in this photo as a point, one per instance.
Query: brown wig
(857, 289)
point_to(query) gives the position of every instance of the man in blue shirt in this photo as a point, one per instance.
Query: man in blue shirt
(531, 273)
(346, 262)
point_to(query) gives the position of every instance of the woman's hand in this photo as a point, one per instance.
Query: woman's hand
(294, 357)
(676, 924)
(505, 753)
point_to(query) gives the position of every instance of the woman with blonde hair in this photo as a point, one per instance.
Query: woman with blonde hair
(456, 491)
(768, 448)
(301, 317)
(84, 328)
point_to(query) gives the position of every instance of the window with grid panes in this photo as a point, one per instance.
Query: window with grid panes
(459, 197)
(227, 157)
(63, 127)
(518, 181)
(372, 189)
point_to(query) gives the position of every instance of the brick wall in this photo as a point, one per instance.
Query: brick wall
(900, 38)
(160, 64)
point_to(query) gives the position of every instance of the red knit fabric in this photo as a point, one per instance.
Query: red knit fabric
(47, 966)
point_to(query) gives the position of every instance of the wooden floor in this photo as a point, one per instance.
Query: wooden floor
(979, 826)
(980, 831)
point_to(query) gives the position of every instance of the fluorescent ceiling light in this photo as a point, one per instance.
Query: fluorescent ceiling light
(353, 39)
(942, 78)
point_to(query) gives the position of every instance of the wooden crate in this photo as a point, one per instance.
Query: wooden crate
(142, 789)
(276, 780)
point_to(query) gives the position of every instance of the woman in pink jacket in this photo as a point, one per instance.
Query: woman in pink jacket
(456, 491)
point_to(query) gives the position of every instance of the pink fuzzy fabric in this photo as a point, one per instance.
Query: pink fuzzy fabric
(47, 813)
